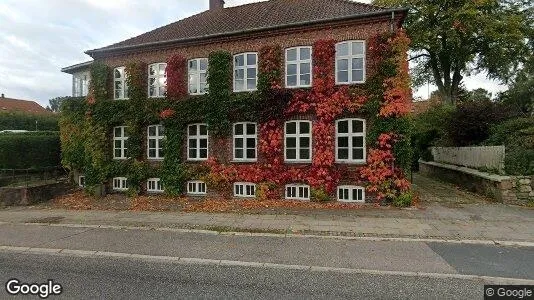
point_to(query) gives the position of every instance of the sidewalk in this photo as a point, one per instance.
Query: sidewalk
(471, 222)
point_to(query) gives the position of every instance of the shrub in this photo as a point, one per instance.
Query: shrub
(29, 150)
(429, 129)
(22, 121)
(319, 195)
(518, 137)
(403, 200)
(471, 122)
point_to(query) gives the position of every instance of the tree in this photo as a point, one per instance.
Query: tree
(520, 95)
(454, 38)
(55, 104)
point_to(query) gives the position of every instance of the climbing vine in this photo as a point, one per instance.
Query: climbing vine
(383, 101)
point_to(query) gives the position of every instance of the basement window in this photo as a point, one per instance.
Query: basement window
(297, 192)
(197, 188)
(350, 193)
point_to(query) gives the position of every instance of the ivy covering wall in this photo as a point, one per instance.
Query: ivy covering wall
(86, 126)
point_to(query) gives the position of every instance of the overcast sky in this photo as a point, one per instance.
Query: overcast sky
(38, 38)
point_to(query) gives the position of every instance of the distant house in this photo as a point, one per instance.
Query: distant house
(23, 106)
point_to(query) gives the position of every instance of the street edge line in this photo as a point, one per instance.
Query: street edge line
(234, 263)
(289, 235)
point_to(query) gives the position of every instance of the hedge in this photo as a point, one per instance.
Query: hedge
(22, 121)
(29, 150)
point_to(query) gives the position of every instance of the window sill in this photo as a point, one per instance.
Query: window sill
(350, 201)
(155, 159)
(197, 160)
(298, 87)
(357, 163)
(350, 83)
(244, 161)
(297, 161)
(298, 199)
(196, 195)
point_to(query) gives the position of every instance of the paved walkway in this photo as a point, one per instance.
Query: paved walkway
(447, 213)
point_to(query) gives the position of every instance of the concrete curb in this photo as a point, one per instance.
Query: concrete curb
(506, 243)
(215, 262)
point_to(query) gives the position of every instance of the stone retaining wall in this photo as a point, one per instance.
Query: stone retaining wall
(23, 196)
(506, 189)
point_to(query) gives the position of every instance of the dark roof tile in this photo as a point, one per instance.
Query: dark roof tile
(258, 15)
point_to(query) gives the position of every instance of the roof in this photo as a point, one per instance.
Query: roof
(249, 18)
(25, 106)
(77, 67)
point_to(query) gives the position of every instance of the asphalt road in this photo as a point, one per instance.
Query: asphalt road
(126, 277)
(108, 278)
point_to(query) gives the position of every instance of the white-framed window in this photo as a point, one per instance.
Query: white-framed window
(120, 138)
(245, 72)
(197, 142)
(196, 187)
(120, 86)
(350, 62)
(120, 184)
(299, 67)
(157, 80)
(245, 141)
(198, 76)
(350, 141)
(298, 139)
(155, 141)
(81, 85)
(297, 192)
(154, 185)
(244, 189)
(350, 193)
(81, 181)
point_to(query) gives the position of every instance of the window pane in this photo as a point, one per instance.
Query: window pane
(118, 73)
(152, 92)
(239, 153)
(342, 49)
(251, 73)
(291, 69)
(251, 143)
(239, 60)
(239, 143)
(239, 74)
(304, 142)
(305, 79)
(203, 130)
(357, 48)
(203, 64)
(203, 143)
(193, 130)
(305, 68)
(304, 127)
(152, 130)
(118, 131)
(152, 153)
(192, 143)
(192, 65)
(357, 153)
(251, 84)
(357, 75)
(291, 128)
(251, 59)
(357, 63)
(291, 54)
(357, 141)
(203, 153)
(291, 154)
(251, 153)
(291, 142)
(343, 64)
(304, 153)
(292, 80)
(343, 142)
(343, 153)
(152, 143)
(162, 68)
(251, 128)
(238, 129)
(305, 53)
(343, 76)
(357, 126)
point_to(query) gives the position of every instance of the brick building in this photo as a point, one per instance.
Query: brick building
(293, 25)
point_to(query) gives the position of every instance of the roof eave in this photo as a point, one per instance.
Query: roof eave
(77, 67)
(402, 10)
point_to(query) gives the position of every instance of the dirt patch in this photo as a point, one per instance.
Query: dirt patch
(81, 201)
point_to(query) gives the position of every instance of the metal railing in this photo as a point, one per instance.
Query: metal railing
(31, 176)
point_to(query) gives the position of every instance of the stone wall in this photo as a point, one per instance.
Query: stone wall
(23, 196)
(517, 190)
